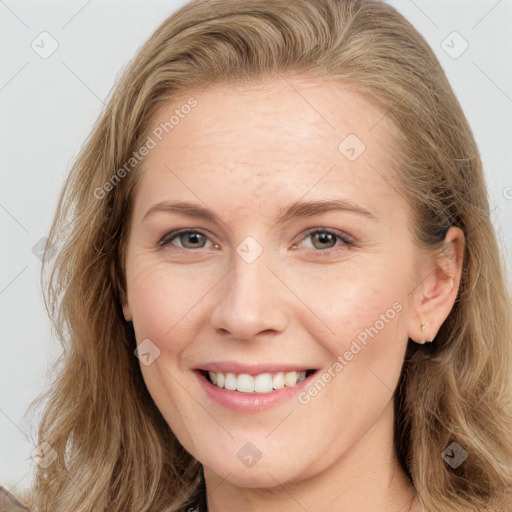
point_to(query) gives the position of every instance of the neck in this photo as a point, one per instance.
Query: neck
(367, 477)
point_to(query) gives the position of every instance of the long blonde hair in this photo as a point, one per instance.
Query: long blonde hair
(115, 451)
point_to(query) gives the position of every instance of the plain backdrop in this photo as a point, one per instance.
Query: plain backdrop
(49, 102)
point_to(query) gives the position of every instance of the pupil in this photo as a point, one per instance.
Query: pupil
(324, 238)
(193, 237)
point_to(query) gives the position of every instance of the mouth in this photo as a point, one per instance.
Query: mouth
(266, 382)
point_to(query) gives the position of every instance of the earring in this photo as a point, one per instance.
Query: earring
(423, 327)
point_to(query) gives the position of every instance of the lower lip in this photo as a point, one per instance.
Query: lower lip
(245, 402)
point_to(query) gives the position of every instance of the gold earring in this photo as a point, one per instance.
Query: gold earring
(423, 327)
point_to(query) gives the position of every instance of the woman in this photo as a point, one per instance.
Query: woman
(278, 284)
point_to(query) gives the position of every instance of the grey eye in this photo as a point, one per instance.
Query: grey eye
(188, 239)
(323, 238)
(194, 240)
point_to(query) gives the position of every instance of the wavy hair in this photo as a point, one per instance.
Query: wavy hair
(115, 450)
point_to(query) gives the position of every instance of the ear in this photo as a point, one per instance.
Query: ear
(122, 293)
(127, 312)
(435, 296)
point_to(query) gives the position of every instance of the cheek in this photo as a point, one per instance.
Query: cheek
(368, 314)
(364, 309)
(165, 301)
(356, 299)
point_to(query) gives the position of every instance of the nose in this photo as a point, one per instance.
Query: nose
(251, 301)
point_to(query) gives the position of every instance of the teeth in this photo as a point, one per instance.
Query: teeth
(245, 383)
(262, 383)
(230, 382)
(278, 381)
(290, 379)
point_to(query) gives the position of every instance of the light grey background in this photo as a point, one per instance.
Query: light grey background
(48, 106)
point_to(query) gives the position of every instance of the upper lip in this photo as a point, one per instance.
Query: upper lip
(252, 369)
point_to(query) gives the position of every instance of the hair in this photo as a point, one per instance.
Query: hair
(115, 450)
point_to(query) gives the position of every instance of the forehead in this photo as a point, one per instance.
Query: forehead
(296, 108)
(268, 137)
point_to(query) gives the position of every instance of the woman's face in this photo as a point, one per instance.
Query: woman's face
(298, 255)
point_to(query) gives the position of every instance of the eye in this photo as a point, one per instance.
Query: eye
(189, 239)
(322, 239)
(325, 239)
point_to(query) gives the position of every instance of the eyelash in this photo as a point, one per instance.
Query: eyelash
(346, 241)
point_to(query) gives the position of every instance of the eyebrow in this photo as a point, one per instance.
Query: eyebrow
(298, 209)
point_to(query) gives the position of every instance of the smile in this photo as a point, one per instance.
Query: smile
(260, 383)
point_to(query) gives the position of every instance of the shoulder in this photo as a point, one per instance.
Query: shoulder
(9, 502)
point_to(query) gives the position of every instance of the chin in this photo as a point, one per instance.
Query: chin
(261, 476)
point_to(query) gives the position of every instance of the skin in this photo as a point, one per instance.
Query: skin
(245, 152)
